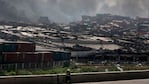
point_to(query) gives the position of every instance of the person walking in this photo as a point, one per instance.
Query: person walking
(68, 76)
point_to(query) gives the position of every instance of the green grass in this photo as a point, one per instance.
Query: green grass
(74, 69)
(23, 72)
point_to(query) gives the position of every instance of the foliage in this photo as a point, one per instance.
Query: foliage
(23, 72)
(10, 73)
(88, 69)
(74, 69)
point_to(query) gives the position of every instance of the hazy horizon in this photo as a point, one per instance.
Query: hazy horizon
(70, 10)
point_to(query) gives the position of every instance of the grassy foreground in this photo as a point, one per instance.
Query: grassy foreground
(74, 69)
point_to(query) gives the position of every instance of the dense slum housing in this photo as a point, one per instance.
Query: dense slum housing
(122, 55)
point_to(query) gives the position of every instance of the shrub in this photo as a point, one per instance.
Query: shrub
(89, 69)
(10, 73)
(23, 72)
(2, 73)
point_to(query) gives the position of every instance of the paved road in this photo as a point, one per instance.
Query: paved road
(140, 81)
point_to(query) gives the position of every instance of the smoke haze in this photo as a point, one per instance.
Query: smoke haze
(69, 10)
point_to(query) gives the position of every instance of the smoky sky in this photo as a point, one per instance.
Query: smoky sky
(70, 10)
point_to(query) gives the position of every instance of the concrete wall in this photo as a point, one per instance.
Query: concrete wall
(76, 78)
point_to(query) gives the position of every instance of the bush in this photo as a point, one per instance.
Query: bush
(136, 68)
(73, 66)
(58, 70)
(2, 73)
(10, 73)
(38, 72)
(23, 72)
(88, 69)
(49, 71)
(113, 69)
